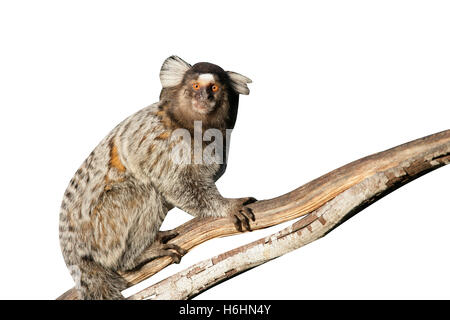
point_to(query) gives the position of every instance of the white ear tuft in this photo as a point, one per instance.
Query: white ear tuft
(239, 82)
(172, 71)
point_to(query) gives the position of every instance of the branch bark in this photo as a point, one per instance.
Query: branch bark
(326, 201)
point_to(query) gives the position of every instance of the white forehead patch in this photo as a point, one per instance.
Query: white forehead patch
(206, 77)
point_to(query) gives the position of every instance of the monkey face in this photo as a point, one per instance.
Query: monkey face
(205, 92)
(202, 92)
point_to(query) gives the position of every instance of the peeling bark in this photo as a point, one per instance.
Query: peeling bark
(325, 203)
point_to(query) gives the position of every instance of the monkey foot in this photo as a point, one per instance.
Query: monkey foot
(159, 249)
(169, 249)
(172, 250)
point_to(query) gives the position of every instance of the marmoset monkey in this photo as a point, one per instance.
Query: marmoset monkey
(116, 202)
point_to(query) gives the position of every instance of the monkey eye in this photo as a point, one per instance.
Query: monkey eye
(195, 86)
(214, 88)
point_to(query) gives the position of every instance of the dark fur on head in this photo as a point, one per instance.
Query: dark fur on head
(218, 109)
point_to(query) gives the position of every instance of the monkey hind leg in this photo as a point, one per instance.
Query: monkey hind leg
(95, 282)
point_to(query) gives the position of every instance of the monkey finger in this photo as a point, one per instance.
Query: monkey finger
(247, 221)
(175, 257)
(244, 219)
(166, 236)
(247, 215)
(237, 223)
(250, 200)
(248, 212)
(176, 248)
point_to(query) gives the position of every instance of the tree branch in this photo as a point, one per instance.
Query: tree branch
(326, 201)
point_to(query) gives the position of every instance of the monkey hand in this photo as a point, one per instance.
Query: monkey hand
(241, 213)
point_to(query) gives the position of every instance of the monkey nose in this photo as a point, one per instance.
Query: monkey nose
(204, 95)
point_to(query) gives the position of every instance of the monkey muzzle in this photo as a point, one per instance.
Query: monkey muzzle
(203, 102)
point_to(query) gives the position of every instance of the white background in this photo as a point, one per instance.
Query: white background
(333, 81)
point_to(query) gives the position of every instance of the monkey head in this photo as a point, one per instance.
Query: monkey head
(202, 92)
